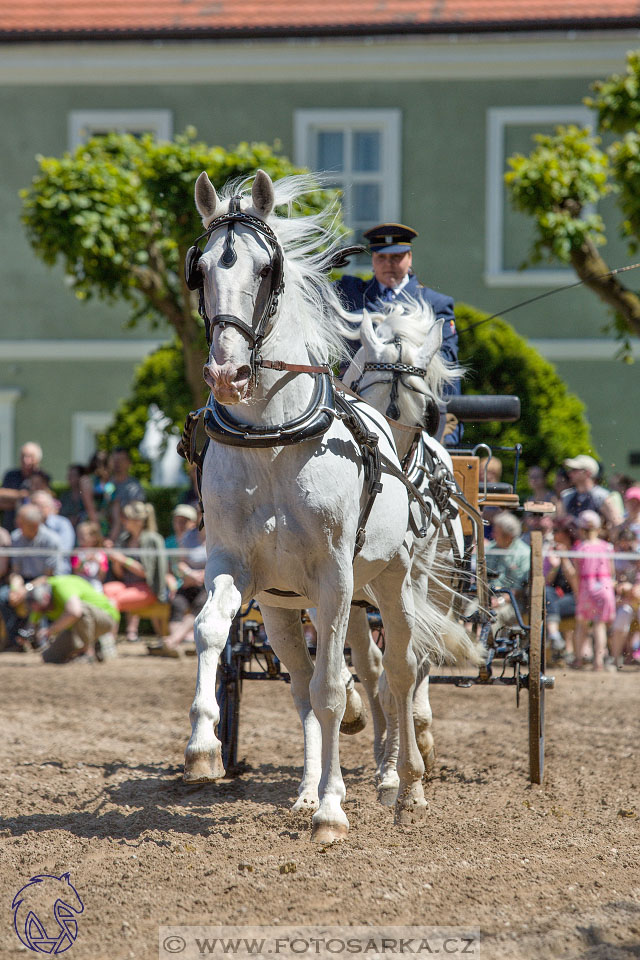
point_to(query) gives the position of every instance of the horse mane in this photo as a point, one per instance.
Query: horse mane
(308, 243)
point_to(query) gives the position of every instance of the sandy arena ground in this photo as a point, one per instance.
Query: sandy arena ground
(92, 785)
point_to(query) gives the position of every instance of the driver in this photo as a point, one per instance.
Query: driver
(394, 280)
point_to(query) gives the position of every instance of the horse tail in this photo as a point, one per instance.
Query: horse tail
(438, 636)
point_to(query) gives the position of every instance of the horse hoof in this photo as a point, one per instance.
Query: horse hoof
(387, 794)
(412, 812)
(203, 767)
(328, 832)
(354, 726)
(305, 804)
(355, 714)
(429, 761)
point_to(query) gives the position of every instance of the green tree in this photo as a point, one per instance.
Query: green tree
(119, 214)
(553, 425)
(568, 172)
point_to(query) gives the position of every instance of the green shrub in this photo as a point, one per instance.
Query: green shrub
(552, 425)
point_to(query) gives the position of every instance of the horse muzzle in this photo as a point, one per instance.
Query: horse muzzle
(228, 382)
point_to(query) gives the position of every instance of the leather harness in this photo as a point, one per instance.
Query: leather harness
(327, 403)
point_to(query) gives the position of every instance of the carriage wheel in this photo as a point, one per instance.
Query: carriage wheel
(537, 644)
(228, 694)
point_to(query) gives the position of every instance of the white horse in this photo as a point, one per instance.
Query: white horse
(401, 346)
(284, 518)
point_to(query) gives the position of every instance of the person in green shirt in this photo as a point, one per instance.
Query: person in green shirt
(81, 620)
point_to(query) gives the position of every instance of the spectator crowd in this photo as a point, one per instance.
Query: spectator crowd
(80, 571)
(76, 570)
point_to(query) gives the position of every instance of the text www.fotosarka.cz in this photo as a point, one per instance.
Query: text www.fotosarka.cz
(191, 942)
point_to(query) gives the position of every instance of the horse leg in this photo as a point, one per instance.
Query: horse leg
(328, 698)
(387, 773)
(284, 630)
(423, 718)
(203, 755)
(355, 715)
(395, 600)
(367, 661)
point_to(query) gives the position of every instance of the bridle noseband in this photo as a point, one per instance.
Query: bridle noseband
(267, 299)
(398, 370)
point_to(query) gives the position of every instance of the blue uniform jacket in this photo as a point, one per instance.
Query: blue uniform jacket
(357, 294)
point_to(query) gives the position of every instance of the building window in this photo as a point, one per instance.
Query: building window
(84, 124)
(509, 233)
(8, 399)
(360, 152)
(85, 427)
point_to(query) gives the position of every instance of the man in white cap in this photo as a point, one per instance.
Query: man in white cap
(585, 494)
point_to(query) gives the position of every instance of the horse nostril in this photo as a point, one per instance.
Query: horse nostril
(243, 372)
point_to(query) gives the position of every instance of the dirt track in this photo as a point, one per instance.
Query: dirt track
(92, 785)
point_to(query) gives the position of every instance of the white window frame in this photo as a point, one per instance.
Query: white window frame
(388, 122)
(84, 427)
(8, 399)
(82, 123)
(498, 118)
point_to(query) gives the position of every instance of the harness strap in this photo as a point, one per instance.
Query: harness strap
(294, 367)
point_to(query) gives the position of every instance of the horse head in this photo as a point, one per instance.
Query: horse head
(241, 272)
(398, 369)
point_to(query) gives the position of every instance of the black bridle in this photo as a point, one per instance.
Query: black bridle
(398, 370)
(271, 286)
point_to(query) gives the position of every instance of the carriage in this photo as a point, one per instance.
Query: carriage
(515, 657)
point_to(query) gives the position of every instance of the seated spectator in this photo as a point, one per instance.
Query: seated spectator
(141, 581)
(493, 467)
(183, 518)
(126, 490)
(627, 589)
(538, 521)
(63, 528)
(561, 583)
(81, 621)
(90, 562)
(30, 533)
(16, 484)
(71, 501)
(508, 562)
(96, 489)
(585, 494)
(631, 519)
(538, 484)
(190, 597)
(596, 598)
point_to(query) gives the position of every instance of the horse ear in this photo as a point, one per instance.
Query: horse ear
(431, 345)
(368, 335)
(206, 197)
(262, 194)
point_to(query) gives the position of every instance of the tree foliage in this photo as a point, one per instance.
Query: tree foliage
(119, 214)
(158, 380)
(567, 172)
(553, 425)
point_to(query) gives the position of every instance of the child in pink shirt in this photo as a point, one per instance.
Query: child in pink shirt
(596, 594)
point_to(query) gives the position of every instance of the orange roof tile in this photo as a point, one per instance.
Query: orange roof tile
(176, 18)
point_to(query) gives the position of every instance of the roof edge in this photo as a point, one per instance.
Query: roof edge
(345, 31)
